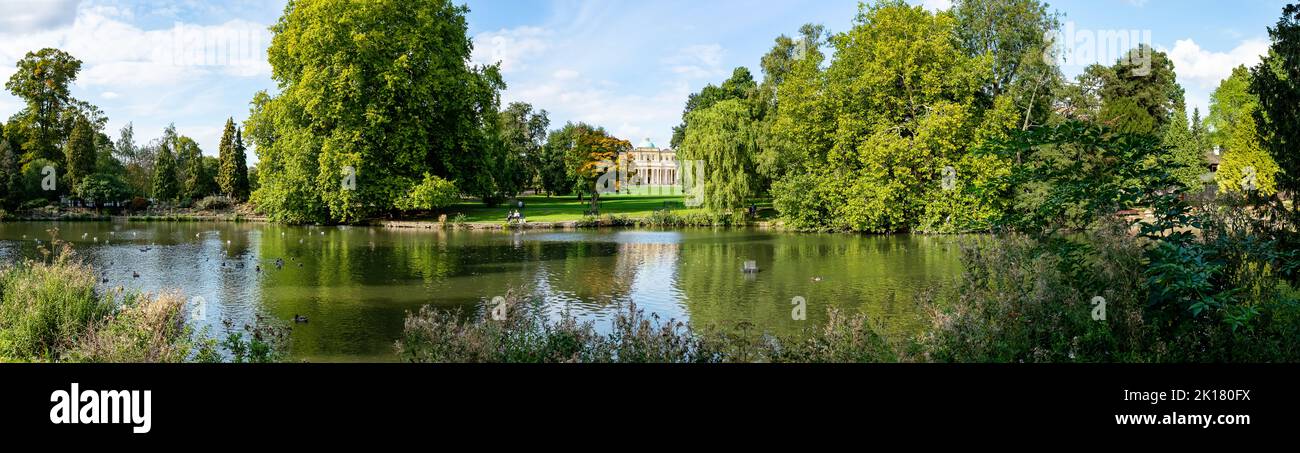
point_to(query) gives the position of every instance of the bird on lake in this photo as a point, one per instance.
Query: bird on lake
(279, 263)
(817, 279)
(297, 319)
(135, 274)
(258, 268)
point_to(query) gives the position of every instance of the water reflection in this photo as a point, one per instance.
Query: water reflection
(356, 284)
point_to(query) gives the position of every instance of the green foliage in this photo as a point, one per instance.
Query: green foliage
(383, 88)
(553, 169)
(1170, 293)
(1140, 93)
(232, 177)
(875, 132)
(432, 193)
(42, 81)
(1244, 160)
(165, 187)
(1276, 82)
(1071, 174)
(522, 134)
(196, 181)
(46, 306)
(101, 188)
(215, 203)
(11, 189)
(724, 137)
(79, 152)
(527, 335)
(740, 86)
(592, 153)
(265, 341)
(1013, 36)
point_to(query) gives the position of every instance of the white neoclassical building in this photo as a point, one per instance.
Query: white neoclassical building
(652, 166)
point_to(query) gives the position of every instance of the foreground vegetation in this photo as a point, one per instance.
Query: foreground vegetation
(52, 311)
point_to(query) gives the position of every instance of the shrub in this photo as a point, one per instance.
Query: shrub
(35, 203)
(266, 341)
(144, 330)
(528, 334)
(215, 203)
(432, 193)
(139, 204)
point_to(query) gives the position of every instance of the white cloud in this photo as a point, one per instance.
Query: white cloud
(1205, 68)
(1200, 71)
(178, 72)
(513, 48)
(25, 16)
(697, 61)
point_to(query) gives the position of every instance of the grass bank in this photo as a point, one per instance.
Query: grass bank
(569, 209)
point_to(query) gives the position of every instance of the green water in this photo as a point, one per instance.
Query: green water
(356, 284)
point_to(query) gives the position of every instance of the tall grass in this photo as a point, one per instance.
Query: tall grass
(144, 330)
(527, 335)
(46, 305)
(51, 311)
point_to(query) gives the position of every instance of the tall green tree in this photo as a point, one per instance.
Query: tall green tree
(379, 93)
(79, 153)
(42, 81)
(1014, 36)
(137, 159)
(1140, 93)
(741, 85)
(10, 175)
(523, 133)
(895, 113)
(554, 172)
(165, 186)
(233, 176)
(1245, 163)
(198, 183)
(242, 185)
(1276, 82)
(793, 60)
(1185, 152)
(725, 138)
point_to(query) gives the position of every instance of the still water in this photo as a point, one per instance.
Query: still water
(356, 284)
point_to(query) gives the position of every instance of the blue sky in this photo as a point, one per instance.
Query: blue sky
(626, 65)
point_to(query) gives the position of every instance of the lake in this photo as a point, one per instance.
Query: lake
(356, 284)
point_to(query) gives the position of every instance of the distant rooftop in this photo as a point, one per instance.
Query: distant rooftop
(646, 143)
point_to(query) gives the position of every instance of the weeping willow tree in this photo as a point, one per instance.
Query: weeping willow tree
(724, 137)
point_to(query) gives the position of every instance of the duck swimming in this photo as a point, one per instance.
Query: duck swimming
(297, 319)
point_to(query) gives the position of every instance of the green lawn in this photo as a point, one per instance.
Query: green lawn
(565, 208)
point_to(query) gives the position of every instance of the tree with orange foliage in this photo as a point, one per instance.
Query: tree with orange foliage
(592, 153)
